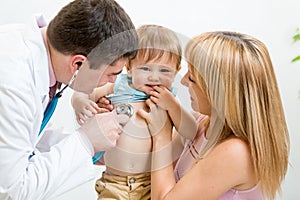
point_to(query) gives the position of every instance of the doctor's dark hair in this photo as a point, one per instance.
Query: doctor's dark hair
(98, 29)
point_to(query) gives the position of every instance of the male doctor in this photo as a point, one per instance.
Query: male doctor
(90, 38)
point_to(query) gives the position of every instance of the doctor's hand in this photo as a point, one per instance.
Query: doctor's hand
(103, 130)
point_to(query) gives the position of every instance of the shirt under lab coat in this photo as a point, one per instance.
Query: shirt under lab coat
(24, 87)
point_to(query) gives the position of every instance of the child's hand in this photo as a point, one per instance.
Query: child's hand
(104, 105)
(84, 108)
(162, 97)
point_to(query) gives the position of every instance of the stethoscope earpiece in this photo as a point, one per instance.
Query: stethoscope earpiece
(78, 65)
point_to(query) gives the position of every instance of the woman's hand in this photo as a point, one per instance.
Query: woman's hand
(157, 118)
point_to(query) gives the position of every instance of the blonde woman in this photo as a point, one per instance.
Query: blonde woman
(242, 145)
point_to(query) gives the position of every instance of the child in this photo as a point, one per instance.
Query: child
(128, 165)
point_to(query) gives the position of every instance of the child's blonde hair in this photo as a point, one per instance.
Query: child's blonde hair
(155, 42)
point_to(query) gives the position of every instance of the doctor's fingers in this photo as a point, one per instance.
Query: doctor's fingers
(79, 121)
(89, 112)
(83, 118)
(92, 107)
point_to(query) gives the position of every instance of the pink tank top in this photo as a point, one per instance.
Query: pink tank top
(187, 159)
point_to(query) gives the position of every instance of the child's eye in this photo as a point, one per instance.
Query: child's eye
(165, 70)
(145, 68)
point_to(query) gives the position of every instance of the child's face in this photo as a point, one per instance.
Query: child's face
(154, 73)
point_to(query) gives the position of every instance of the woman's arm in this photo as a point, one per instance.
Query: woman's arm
(184, 121)
(160, 128)
(227, 166)
(162, 164)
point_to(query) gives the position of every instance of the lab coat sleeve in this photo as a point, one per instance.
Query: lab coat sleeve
(66, 165)
(74, 167)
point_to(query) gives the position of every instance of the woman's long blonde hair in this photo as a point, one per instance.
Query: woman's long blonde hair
(236, 73)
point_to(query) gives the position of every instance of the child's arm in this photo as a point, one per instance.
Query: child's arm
(98, 96)
(102, 91)
(184, 121)
(85, 106)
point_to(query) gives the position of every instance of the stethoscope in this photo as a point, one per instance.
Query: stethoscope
(52, 104)
(124, 108)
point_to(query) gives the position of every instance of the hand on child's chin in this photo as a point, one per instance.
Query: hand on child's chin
(146, 89)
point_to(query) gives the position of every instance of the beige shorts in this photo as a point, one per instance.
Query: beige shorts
(135, 187)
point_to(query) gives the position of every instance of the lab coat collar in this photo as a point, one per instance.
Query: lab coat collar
(40, 58)
(42, 24)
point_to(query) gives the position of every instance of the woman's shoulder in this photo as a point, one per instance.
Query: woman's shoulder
(234, 149)
(237, 161)
(234, 144)
(227, 166)
(231, 155)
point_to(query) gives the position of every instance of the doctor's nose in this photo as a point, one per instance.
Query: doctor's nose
(112, 79)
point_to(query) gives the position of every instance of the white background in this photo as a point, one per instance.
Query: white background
(274, 22)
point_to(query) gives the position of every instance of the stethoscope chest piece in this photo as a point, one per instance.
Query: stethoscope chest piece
(125, 108)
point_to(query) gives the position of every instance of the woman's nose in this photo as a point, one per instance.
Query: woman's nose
(184, 80)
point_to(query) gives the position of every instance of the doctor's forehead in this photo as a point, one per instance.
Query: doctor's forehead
(115, 68)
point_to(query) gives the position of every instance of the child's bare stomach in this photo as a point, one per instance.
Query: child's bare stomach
(132, 155)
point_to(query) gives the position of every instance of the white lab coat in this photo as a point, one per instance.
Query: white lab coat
(63, 162)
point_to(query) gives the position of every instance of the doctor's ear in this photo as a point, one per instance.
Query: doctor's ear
(127, 66)
(77, 61)
(128, 70)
